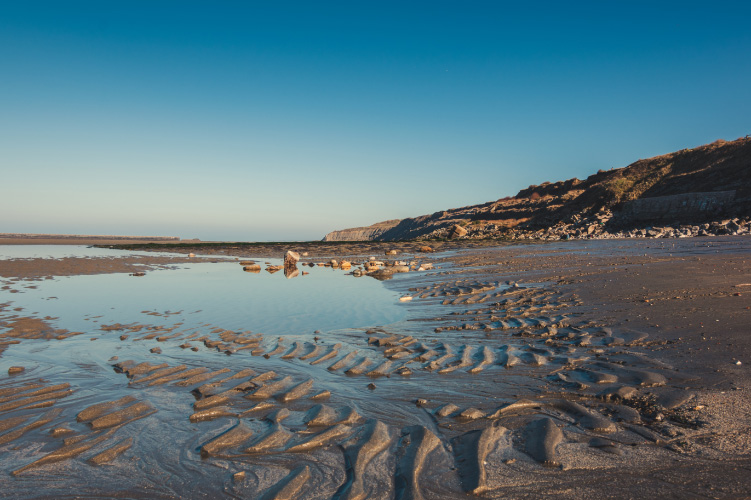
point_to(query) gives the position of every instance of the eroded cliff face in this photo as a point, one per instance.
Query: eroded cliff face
(368, 233)
(604, 198)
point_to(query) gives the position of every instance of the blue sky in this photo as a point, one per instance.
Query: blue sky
(285, 120)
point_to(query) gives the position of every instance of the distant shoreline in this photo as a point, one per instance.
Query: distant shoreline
(83, 239)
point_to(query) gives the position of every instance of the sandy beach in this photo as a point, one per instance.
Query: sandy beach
(588, 369)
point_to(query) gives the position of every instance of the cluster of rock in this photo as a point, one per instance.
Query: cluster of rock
(595, 227)
(382, 269)
(379, 269)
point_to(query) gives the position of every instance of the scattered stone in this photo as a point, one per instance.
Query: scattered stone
(446, 410)
(13, 370)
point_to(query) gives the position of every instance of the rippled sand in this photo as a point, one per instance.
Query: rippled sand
(575, 370)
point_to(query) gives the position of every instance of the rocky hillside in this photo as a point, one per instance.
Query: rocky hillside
(692, 186)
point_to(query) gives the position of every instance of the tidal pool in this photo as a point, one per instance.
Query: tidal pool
(218, 294)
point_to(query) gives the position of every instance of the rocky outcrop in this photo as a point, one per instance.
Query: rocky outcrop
(692, 187)
(368, 233)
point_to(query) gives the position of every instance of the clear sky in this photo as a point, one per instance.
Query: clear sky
(244, 120)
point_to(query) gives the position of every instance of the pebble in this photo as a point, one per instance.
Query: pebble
(239, 476)
(155, 350)
(15, 369)
(406, 298)
(371, 386)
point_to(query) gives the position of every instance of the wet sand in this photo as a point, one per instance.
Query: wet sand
(39, 268)
(568, 370)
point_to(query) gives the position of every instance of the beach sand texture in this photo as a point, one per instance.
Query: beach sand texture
(592, 369)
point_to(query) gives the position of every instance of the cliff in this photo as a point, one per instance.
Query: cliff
(368, 233)
(691, 186)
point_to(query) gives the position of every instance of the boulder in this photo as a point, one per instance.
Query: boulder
(457, 231)
(290, 259)
(426, 249)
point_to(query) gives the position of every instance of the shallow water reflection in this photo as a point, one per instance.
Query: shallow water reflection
(219, 294)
